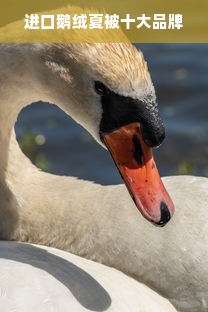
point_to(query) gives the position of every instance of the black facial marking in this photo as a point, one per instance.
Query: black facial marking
(137, 150)
(165, 215)
(119, 111)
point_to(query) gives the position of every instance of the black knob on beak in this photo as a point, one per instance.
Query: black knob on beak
(153, 133)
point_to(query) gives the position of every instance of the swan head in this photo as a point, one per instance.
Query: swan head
(111, 94)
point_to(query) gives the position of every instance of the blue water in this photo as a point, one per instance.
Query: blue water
(180, 76)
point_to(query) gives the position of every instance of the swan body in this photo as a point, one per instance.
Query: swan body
(93, 221)
(37, 278)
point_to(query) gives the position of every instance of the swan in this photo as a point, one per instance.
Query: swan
(38, 278)
(98, 222)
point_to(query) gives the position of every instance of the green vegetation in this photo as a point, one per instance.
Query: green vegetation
(189, 167)
(30, 144)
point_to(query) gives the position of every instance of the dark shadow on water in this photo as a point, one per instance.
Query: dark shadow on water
(88, 292)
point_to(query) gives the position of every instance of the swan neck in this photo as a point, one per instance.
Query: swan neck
(19, 87)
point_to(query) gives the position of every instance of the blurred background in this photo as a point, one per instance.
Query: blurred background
(55, 143)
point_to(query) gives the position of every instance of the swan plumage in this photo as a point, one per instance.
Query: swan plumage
(47, 279)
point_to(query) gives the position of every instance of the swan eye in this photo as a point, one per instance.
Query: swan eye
(100, 88)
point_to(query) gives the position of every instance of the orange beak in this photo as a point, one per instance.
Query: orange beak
(136, 165)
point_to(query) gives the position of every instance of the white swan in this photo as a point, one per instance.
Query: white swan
(97, 222)
(37, 278)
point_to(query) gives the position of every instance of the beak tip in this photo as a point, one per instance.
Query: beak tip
(165, 215)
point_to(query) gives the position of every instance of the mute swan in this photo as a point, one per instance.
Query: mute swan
(37, 278)
(90, 220)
